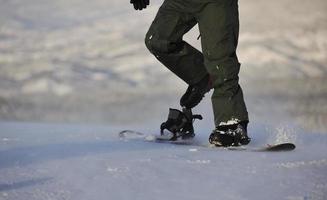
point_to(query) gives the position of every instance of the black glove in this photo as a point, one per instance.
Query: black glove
(140, 4)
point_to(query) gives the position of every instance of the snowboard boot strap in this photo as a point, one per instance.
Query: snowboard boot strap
(180, 123)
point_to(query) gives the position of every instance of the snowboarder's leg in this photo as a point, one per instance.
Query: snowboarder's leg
(165, 40)
(219, 26)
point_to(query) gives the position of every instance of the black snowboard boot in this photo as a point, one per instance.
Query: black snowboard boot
(195, 93)
(230, 135)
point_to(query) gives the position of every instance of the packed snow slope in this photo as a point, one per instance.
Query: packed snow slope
(85, 62)
(56, 161)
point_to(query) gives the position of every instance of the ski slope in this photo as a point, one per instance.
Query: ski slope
(58, 161)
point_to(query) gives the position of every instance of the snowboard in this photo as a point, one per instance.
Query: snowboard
(130, 134)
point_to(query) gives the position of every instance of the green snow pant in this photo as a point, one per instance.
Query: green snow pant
(219, 28)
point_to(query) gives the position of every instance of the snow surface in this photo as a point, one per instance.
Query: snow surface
(85, 62)
(58, 161)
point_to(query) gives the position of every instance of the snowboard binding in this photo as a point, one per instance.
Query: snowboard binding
(180, 124)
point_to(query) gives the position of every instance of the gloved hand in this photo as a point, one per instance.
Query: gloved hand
(140, 4)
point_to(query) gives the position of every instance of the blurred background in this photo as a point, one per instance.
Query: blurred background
(85, 62)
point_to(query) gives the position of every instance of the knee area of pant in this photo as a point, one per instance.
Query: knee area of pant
(224, 72)
(218, 54)
(220, 50)
(148, 41)
(225, 88)
(156, 45)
